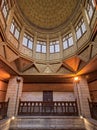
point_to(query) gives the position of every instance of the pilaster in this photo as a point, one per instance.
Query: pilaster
(14, 92)
(34, 46)
(82, 94)
(61, 45)
(48, 48)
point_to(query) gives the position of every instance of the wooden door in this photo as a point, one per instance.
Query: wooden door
(47, 96)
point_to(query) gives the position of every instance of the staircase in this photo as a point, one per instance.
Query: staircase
(47, 123)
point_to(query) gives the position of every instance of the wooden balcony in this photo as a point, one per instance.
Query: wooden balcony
(93, 109)
(55, 108)
(3, 109)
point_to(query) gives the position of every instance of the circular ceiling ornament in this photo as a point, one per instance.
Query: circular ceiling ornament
(47, 14)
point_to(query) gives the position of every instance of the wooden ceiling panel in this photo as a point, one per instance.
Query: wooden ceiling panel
(73, 63)
(23, 64)
(10, 55)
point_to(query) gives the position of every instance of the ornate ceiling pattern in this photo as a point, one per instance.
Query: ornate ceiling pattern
(47, 14)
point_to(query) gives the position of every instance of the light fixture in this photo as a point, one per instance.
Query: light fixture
(18, 79)
(76, 78)
(13, 118)
(81, 117)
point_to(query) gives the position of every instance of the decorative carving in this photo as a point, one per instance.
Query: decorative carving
(47, 13)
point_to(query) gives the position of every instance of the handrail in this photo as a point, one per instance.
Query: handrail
(61, 108)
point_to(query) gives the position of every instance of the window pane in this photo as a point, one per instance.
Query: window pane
(83, 28)
(4, 12)
(52, 49)
(90, 12)
(43, 49)
(25, 41)
(57, 49)
(38, 48)
(65, 45)
(12, 28)
(5, 8)
(70, 40)
(57, 42)
(30, 44)
(16, 34)
(78, 33)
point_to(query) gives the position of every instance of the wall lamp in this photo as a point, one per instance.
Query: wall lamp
(76, 78)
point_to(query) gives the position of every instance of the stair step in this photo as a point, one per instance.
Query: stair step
(47, 123)
(47, 129)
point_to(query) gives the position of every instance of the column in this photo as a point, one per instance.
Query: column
(74, 37)
(82, 94)
(77, 96)
(14, 92)
(21, 38)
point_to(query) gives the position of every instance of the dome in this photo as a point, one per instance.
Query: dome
(47, 14)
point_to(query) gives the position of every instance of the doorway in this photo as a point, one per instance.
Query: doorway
(47, 96)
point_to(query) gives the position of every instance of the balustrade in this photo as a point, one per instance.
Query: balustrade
(55, 108)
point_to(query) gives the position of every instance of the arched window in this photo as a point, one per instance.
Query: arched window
(54, 47)
(15, 29)
(27, 41)
(67, 41)
(41, 46)
(90, 8)
(5, 8)
(80, 29)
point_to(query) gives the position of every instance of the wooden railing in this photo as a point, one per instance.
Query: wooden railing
(93, 109)
(56, 108)
(3, 109)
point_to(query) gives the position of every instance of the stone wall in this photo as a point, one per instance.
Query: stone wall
(63, 96)
(38, 96)
(31, 96)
